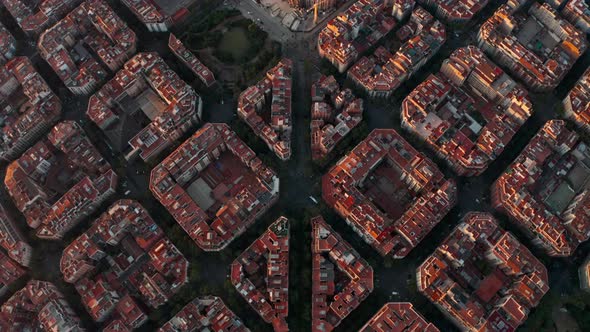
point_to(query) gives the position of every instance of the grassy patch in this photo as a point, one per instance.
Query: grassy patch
(241, 43)
(235, 39)
(234, 42)
(237, 45)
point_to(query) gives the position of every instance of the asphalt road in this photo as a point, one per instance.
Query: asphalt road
(272, 25)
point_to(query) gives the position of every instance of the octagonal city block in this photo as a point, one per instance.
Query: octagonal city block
(60, 180)
(145, 108)
(545, 191)
(86, 44)
(214, 186)
(537, 45)
(468, 112)
(482, 278)
(123, 259)
(391, 194)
